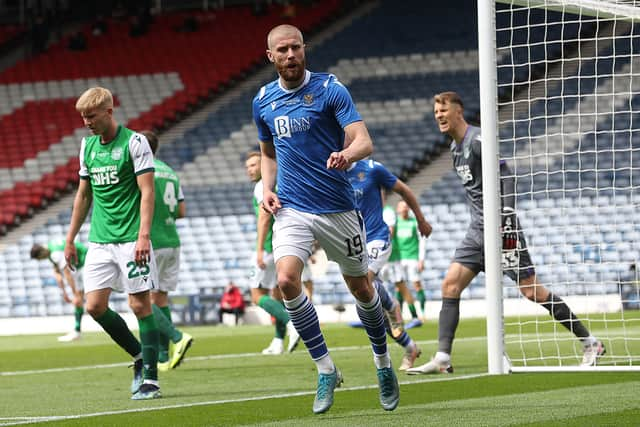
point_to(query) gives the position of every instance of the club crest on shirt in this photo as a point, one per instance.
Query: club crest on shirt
(116, 153)
(308, 99)
(361, 176)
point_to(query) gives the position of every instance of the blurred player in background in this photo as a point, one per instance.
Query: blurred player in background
(468, 260)
(302, 119)
(264, 293)
(66, 276)
(116, 176)
(169, 206)
(369, 179)
(411, 252)
(391, 272)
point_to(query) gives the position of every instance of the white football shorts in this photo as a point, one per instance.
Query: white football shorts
(112, 265)
(168, 264)
(341, 235)
(379, 252)
(410, 271)
(264, 279)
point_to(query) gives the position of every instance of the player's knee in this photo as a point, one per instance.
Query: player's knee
(95, 310)
(451, 288)
(139, 308)
(532, 290)
(364, 295)
(362, 290)
(532, 293)
(161, 298)
(528, 293)
(288, 282)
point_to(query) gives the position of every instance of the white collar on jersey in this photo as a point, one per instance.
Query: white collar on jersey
(307, 77)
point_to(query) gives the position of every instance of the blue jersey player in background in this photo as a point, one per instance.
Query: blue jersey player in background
(310, 133)
(368, 179)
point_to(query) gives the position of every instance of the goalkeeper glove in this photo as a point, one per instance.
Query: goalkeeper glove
(509, 233)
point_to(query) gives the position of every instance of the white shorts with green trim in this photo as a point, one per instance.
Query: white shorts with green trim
(112, 265)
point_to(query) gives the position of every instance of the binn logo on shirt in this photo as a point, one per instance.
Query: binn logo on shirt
(281, 124)
(285, 126)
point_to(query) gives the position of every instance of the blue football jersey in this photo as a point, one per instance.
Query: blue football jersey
(368, 178)
(305, 126)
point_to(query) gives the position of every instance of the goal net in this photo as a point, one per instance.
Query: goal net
(568, 125)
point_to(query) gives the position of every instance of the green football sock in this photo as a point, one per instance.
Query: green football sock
(116, 327)
(274, 308)
(166, 332)
(399, 297)
(281, 328)
(421, 298)
(149, 336)
(177, 334)
(166, 310)
(277, 310)
(78, 316)
(412, 309)
(165, 326)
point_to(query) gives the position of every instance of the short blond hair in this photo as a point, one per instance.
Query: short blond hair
(280, 30)
(95, 97)
(251, 154)
(450, 97)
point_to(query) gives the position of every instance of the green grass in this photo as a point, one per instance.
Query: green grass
(225, 381)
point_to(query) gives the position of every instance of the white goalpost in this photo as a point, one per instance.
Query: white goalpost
(560, 104)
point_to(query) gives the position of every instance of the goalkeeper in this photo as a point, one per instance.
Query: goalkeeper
(468, 260)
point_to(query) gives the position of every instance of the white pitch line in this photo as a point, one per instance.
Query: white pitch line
(27, 420)
(195, 358)
(512, 339)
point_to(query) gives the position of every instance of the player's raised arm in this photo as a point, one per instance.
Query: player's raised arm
(357, 146)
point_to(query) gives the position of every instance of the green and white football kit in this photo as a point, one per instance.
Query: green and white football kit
(410, 247)
(166, 243)
(111, 169)
(164, 234)
(56, 257)
(264, 278)
(392, 270)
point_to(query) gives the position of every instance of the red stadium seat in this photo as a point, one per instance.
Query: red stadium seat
(205, 60)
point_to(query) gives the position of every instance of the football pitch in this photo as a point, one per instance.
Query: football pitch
(225, 381)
